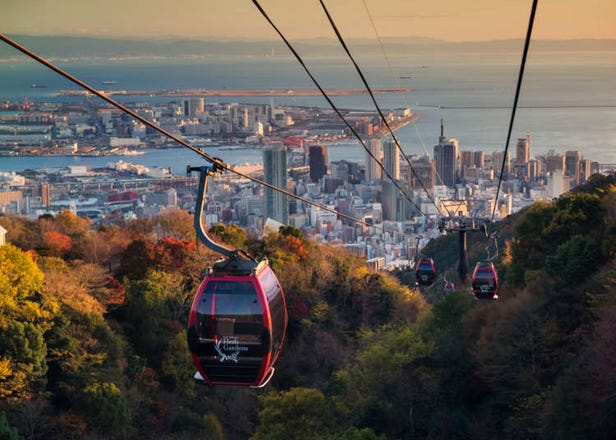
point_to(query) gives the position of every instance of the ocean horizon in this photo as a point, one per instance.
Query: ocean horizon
(567, 102)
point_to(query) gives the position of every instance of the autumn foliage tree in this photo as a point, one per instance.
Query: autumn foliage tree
(24, 318)
(56, 244)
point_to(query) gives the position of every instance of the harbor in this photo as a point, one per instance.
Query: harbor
(185, 93)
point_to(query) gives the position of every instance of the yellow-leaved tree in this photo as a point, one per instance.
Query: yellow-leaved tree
(24, 317)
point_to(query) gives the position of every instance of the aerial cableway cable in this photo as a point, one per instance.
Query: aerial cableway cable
(376, 105)
(218, 163)
(333, 106)
(515, 103)
(398, 85)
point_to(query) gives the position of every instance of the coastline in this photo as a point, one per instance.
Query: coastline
(235, 92)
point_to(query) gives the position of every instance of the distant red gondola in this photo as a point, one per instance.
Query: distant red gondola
(485, 281)
(449, 287)
(425, 272)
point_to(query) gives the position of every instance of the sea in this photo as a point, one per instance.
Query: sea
(567, 100)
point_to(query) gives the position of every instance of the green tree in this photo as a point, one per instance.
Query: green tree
(292, 231)
(212, 427)
(106, 410)
(232, 235)
(385, 386)
(528, 248)
(575, 214)
(7, 432)
(300, 414)
(148, 312)
(358, 434)
(574, 260)
(177, 369)
(372, 299)
(23, 346)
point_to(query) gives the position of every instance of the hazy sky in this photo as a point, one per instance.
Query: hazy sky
(453, 20)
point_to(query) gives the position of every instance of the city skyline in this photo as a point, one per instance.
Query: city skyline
(477, 20)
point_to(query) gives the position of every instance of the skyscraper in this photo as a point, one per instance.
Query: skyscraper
(572, 165)
(275, 170)
(318, 162)
(478, 159)
(467, 159)
(522, 150)
(498, 160)
(391, 159)
(45, 194)
(373, 168)
(584, 170)
(393, 203)
(446, 158)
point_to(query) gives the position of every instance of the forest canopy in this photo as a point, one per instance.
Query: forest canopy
(93, 334)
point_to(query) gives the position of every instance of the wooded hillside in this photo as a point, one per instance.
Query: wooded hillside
(93, 340)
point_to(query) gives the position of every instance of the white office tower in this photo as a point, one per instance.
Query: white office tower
(275, 170)
(558, 183)
(373, 167)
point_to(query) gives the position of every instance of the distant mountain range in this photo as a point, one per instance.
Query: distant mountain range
(100, 47)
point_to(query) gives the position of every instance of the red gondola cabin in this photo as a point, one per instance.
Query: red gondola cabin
(425, 272)
(236, 327)
(485, 281)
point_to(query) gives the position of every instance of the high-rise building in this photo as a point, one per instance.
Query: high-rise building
(521, 170)
(373, 167)
(318, 162)
(558, 183)
(584, 170)
(471, 160)
(478, 159)
(424, 173)
(467, 159)
(45, 194)
(498, 158)
(275, 170)
(193, 107)
(393, 203)
(534, 170)
(522, 150)
(391, 159)
(446, 158)
(572, 166)
(340, 170)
